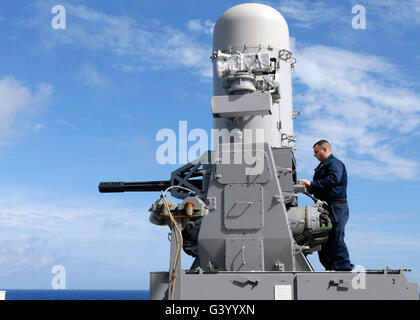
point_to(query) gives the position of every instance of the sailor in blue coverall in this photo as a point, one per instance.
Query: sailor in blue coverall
(329, 184)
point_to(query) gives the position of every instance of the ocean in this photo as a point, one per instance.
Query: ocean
(34, 294)
(20, 294)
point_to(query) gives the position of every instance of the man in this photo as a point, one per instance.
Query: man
(329, 184)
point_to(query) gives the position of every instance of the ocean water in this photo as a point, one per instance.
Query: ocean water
(33, 294)
(15, 294)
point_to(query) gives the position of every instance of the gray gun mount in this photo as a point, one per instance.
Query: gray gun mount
(232, 221)
(239, 215)
(249, 238)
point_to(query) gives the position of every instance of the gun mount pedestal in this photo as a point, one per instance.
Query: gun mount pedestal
(281, 285)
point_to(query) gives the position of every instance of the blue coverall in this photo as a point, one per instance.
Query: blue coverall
(329, 184)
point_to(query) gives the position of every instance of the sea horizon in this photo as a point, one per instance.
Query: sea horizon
(76, 294)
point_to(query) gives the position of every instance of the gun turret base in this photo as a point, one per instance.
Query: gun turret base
(277, 285)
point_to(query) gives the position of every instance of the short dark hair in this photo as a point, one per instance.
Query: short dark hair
(322, 143)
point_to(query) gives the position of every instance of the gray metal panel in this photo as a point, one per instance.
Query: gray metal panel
(413, 291)
(302, 263)
(285, 164)
(285, 285)
(244, 254)
(159, 282)
(236, 173)
(211, 253)
(236, 286)
(241, 105)
(344, 286)
(243, 207)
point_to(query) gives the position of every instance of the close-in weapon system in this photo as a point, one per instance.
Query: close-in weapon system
(239, 215)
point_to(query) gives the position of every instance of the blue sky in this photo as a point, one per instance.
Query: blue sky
(83, 105)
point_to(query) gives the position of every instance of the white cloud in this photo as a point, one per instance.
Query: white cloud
(197, 25)
(308, 14)
(38, 231)
(83, 235)
(14, 98)
(90, 75)
(382, 241)
(23, 213)
(27, 253)
(384, 13)
(405, 13)
(357, 102)
(17, 102)
(136, 47)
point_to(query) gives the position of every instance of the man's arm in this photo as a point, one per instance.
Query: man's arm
(335, 172)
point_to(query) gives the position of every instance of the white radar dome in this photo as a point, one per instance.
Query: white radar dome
(251, 24)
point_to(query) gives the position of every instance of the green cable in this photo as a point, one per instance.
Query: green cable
(321, 231)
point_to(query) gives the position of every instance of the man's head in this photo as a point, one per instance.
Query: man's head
(322, 150)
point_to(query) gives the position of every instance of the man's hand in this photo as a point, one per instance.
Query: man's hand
(306, 183)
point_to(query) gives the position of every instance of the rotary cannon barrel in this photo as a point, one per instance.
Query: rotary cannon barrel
(142, 186)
